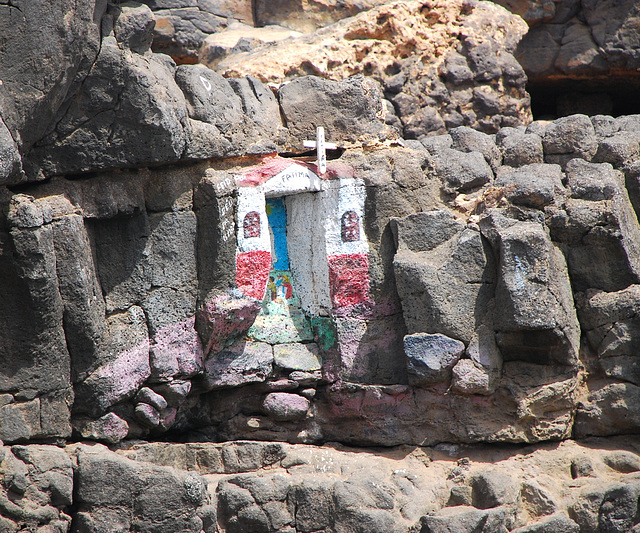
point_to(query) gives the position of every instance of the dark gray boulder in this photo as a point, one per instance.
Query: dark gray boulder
(10, 160)
(519, 148)
(493, 488)
(114, 493)
(58, 41)
(430, 358)
(84, 308)
(534, 312)
(466, 139)
(461, 171)
(611, 325)
(535, 185)
(133, 26)
(128, 112)
(210, 97)
(569, 137)
(598, 221)
(444, 274)
(348, 109)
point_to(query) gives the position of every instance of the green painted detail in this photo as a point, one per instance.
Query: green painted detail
(281, 329)
(281, 320)
(325, 333)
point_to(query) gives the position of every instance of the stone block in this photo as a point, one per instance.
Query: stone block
(297, 357)
(519, 149)
(569, 137)
(129, 368)
(461, 171)
(224, 318)
(285, 406)
(534, 185)
(241, 363)
(108, 428)
(430, 358)
(347, 109)
(493, 488)
(177, 351)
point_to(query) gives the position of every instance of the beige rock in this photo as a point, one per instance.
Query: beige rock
(442, 64)
(391, 487)
(219, 45)
(370, 42)
(308, 15)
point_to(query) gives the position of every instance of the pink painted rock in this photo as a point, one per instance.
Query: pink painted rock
(108, 428)
(116, 381)
(168, 417)
(285, 406)
(469, 377)
(177, 351)
(223, 318)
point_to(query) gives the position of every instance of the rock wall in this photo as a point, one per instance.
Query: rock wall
(441, 64)
(274, 487)
(473, 284)
(580, 57)
(175, 265)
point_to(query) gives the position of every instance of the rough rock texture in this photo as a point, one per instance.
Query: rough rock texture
(272, 487)
(488, 292)
(60, 42)
(133, 273)
(436, 63)
(580, 57)
(308, 16)
(182, 25)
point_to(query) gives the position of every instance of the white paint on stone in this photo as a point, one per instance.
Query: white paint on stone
(350, 197)
(307, 251)
(206, 83)
(321, 148)
(292, 180)
(313, 227)
(252, 199)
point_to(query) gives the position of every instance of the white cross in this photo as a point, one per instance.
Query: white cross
(321, 147)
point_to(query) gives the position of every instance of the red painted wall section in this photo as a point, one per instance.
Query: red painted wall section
(348, 279)
(252, 272)
(272, 165)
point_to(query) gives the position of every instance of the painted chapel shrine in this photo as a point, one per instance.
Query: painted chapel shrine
(301, 247)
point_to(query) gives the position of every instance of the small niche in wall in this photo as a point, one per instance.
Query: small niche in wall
(251, 225)
(350, 227)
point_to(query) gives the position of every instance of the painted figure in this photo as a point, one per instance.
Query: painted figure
(288, 288)
(271, 287)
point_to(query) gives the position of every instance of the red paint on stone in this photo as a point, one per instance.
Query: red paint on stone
(350, 227)
(271, 166)
(252, 272)
(251, 225)
(348, 279)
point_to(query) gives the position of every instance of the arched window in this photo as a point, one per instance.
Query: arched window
(251, 224)
(350, 227)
